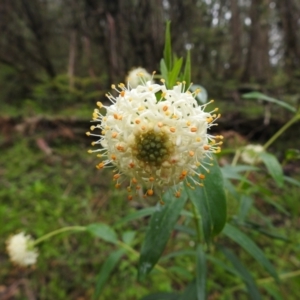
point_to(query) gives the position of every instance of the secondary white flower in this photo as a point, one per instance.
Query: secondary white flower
(20, 249)
(155, 136)
(250, 153)
(138, 76)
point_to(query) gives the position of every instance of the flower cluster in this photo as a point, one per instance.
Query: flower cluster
(21, 250)
(155, 136)
(137, 76)
(250, 154)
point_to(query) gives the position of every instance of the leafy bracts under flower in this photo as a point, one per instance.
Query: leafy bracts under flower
(155, 136)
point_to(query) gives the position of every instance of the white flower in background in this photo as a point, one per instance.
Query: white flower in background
(20, 249)
(155, 136)
(137, 77)
(250, 154)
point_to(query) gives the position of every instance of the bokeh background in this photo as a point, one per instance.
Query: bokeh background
(58, 57)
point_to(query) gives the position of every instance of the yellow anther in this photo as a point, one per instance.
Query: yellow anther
(177, 194)
(100, 165)
(90, 151)
(188, 123)
(116, 176)
(162, 80)
(92, 127)
(99, 104)
(150, 192)
(113, 86)
(160, 124)
(88, 133)
(141, 108)
(120, 148)
(191, 153)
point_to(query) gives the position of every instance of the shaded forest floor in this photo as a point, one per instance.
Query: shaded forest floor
(48, 181)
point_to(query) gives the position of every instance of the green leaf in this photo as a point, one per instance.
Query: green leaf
(103, 231)
(245, 242)
(210, 200)
(292, 181)
(273, 167)
(164, 71)
(187, 70)
(168, 47)
(128, 237)
(106, 270)
(161, 225)
(173, 75)
(245, 205)
(137, 215)
(181, 272)
(273, 291)
(222, 265)
(190, 292)
(200, 273)
(244, 274)
(257, 95)
(179, 253)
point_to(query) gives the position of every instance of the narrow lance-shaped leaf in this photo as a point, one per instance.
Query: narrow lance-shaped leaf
(257, 95)
(168, 47)
(103, 231)
(273, 167)
(187, 70)
(200, 273)
(164, 71)
(244, 274)
(210, 200)
(161, 225)
(173, 76)
(105, 271)
(245, 242)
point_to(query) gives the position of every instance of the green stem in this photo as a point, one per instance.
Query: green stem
(157, 267)
(198, 228)
(58, 231)
(281, 131)
(266, 280)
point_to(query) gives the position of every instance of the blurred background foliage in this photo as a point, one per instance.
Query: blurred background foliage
(57, 58)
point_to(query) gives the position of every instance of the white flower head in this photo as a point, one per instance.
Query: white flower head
(21, 250)
(250, 154)
(137, 77)
(155, 136)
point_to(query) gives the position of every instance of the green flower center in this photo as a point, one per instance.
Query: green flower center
(152, 147)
